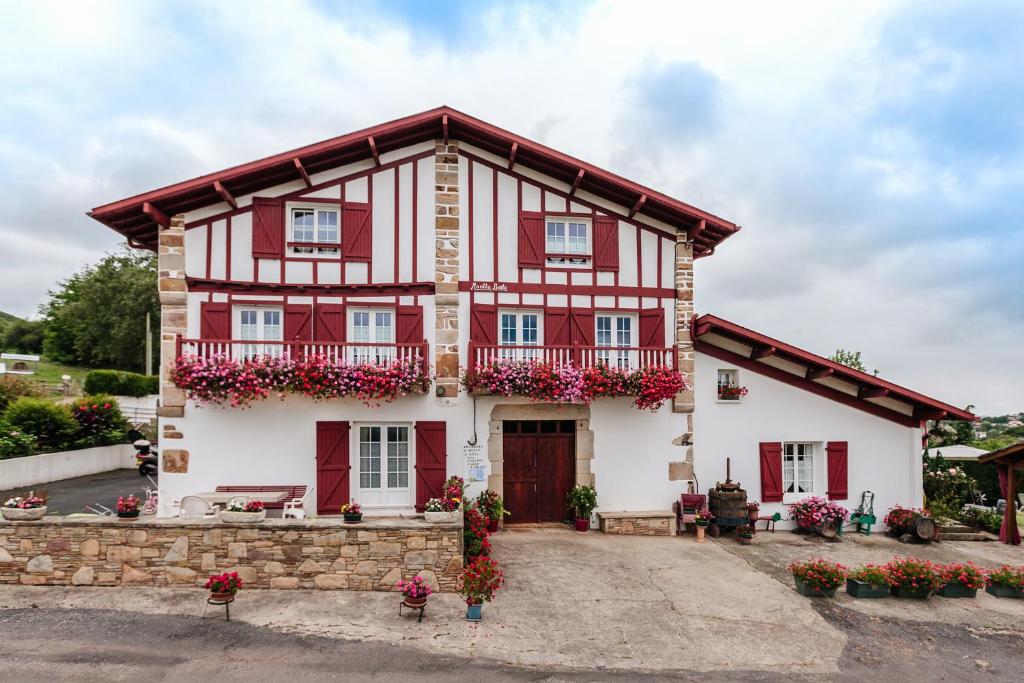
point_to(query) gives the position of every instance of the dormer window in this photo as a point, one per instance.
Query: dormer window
(568, 241)
(314, 231)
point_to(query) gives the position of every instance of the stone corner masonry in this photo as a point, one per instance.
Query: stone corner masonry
(276, 553)
(446, 268)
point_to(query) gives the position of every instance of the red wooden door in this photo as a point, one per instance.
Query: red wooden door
(520, 467)
(539, 469)
(556, 475)
(332, 466)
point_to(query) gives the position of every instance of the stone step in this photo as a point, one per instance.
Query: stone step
(955, 529)
(965, 536)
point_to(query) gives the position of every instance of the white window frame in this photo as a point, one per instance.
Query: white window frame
(564, 257)
(817, 470)
(618, 355)
(377, 355)
(520, 353)
(383, 496)
(734, 375)
(253, 348)
(332, 248)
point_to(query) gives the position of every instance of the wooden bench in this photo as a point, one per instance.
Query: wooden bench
(294, 491)
(644, 523)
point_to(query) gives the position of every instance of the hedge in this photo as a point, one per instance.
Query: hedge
(119, 383)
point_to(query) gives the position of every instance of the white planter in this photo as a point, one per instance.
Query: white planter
(243, 517)
(23, 514)
(442, 517)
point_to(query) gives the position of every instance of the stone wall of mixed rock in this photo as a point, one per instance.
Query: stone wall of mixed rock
(275, 553)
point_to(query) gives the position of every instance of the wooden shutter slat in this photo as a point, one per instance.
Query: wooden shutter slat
(771, 472)
(409, 324)
(267, 227)
(329, 324)
(606, 243)
(332, 466)
(483, 324)
(652, 327)
(357, 231)
(431, 461)
(838, 469)
(215, 320)
(531, 239)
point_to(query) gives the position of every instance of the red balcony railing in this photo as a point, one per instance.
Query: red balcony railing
(374, 353)
(627, 358)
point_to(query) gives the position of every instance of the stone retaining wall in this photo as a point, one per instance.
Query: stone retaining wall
(275, 553)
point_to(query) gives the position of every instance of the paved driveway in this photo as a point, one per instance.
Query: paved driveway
(72, 495)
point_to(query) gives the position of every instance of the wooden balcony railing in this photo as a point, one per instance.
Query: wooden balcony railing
(626, 358)
(373, 353)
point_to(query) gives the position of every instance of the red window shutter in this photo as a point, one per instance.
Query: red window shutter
(215, 320)
(606, 243)
(329, 325)
(267, 227)
(771, 472)
(652, 328)
(298, 322)
(483, 324)
(431, 461)
(409, 324)
(332, 466)
(357, 231)
(557, 330)
(582, 328)
(531, 239)
(837, 470)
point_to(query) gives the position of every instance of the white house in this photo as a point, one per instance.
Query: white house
(441, 243)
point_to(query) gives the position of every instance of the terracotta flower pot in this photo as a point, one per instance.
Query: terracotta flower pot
(221, 597)
(701, 529)
(416, 602)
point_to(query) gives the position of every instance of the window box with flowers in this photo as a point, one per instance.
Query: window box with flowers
(912, 578)
(24, 508)
(242, 511)
(868, 581)
(1005, 582)
(960, 580)
(729, 389)
(817, 578)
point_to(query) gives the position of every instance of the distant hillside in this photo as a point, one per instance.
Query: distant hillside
(6, 319)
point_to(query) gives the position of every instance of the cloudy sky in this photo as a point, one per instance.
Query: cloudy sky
(873, 152)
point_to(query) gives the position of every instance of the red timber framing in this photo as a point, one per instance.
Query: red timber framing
(131, 218)
(819, 375)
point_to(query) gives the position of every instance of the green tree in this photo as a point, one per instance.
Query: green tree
(23, 336)
(97, 317)
(850, 359)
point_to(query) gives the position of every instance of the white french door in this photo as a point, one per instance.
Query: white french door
(383, 476)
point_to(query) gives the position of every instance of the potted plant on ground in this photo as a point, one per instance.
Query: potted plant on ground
(414, 592)
(493, 507)
(474, 534)
(441, 510)
(818, 515)
(911, 577)
(478, 583)
(753, 510)
(960, 580)
(868, 581)
(1006, 582)
(582, 499)
(744, 534)
(352, 511)
(702, 521)
(128, 507)
(817, 578)
(901, 520)
(240, 512)
(24, 508)
(223, 587)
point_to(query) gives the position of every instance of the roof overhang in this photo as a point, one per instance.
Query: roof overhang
(762, 354)
(1010, 455)
(137, 217)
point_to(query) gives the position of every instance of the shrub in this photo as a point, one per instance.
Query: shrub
(871, 574)
(14, 443)
(910, 572)
(947, 488)
(13, 387)
(966, 573)
(100, 422)
(982, 519)
(820, 574)
(120, 383)
(52, 425)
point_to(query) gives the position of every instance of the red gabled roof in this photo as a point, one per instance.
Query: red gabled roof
(855, 388)
(127, 216)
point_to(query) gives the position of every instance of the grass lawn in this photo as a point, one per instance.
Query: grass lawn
(52, 372)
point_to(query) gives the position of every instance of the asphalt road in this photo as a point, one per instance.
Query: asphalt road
(72, 495)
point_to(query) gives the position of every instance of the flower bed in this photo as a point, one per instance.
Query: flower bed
(223, 380)
(650, 386)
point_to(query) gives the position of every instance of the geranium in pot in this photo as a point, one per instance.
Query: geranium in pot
(24, 508)
(960, 580)
(440, 510)
(753, 510)
(478, 583)
(241, 511)
(493, 507)
(415, 591)
(352, 512)
(1005, 582)
(582, 499)
(223, 587)
(911, 577)
(474, 534)
(744, 534)
(128, 507)
(702, 521)
(817, 578)
(868, 581)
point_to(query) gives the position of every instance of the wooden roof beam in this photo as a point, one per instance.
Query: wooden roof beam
(639, 205)
(928, 414)
(762, 352)
(512, 155)
(373, 149)
(697, 230)
(444, 128)
(305, 176)
(224, 194)
(158, 216)
(576, 183)
(819, 373)
(872, 392)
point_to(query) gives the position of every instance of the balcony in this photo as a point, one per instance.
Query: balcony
(352, 353)
(621, 358)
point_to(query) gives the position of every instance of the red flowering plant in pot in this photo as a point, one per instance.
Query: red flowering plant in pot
(352, 512)
(960, 580)
(731, 392)
(901, 520)
(910, 577)
(1005, 582)
(128, 506)
(414, 591)
(868, 581)
(478, 583)
(24, 508)
(493, 507)
(818, 515)
(817, 578)
(474, 534)
(223, 587)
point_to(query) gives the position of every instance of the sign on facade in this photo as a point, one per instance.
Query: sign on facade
(475, 462)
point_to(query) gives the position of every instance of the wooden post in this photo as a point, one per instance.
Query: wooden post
(1011, 500)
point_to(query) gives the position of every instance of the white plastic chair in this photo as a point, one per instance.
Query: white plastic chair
(196, 507)
(296, 507)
